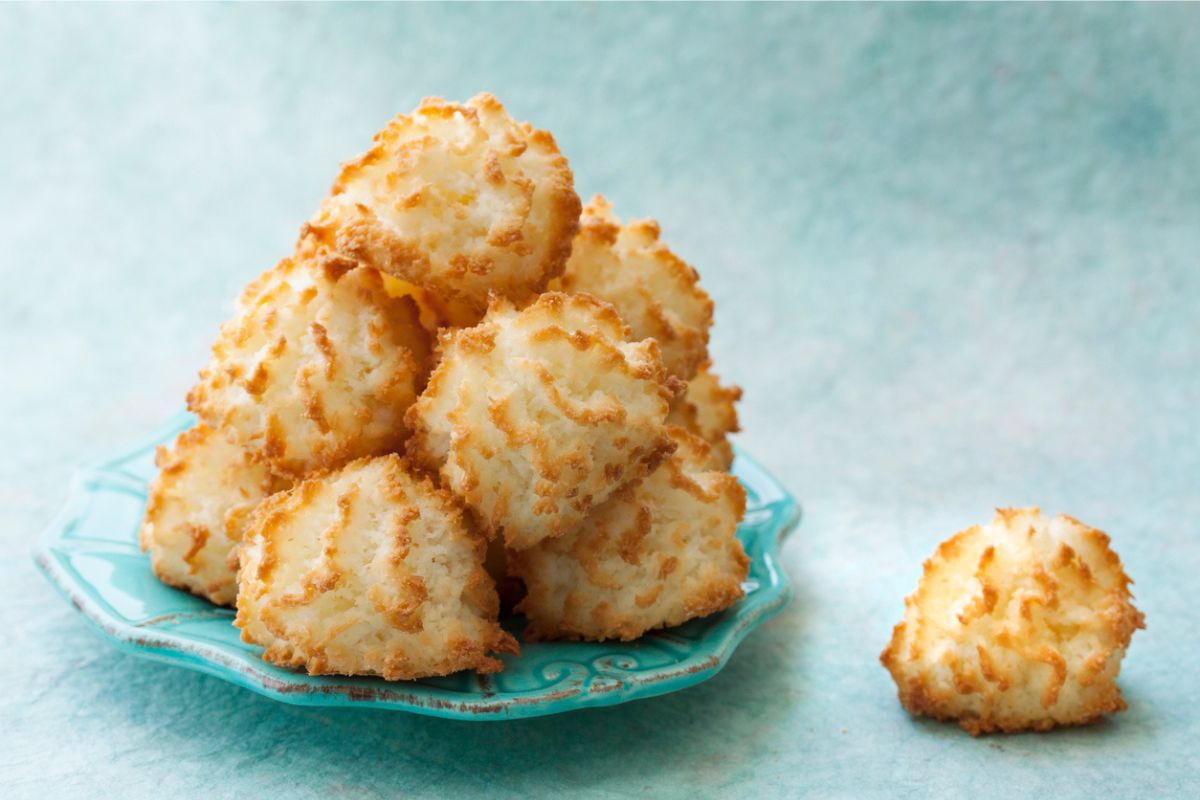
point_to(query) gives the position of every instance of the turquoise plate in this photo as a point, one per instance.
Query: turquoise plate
(90, 553)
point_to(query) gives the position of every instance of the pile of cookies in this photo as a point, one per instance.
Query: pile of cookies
(459, 380)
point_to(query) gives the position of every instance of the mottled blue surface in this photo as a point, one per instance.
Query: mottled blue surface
(955, 257)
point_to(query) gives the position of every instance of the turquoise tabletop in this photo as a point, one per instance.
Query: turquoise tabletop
(955, 254)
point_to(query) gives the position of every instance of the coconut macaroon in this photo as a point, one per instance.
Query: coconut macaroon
(1017, 625)
(459, 199)
(198, 509)
(368, 571)
(317, 366)
(707, 409)
(535, 416)
(654, 291)
(656, 554)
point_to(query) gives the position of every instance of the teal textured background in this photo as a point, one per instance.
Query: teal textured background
(955, 257)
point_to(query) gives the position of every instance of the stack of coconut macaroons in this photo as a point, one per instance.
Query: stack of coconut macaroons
(459, 380)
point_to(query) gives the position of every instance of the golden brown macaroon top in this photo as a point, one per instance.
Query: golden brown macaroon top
(535, 415)
(459, 199)
(369, 570)
(655, 554)
(317, 366)
(1020, 624)
(654, 291)
(197, 510)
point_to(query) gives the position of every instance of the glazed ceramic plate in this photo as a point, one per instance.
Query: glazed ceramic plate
(90, 553)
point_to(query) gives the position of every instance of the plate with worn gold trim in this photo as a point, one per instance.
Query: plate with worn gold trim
(90, 553)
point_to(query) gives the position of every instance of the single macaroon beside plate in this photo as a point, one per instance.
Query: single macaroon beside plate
(90, 552)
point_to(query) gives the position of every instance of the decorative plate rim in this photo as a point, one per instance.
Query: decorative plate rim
(489, 704)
